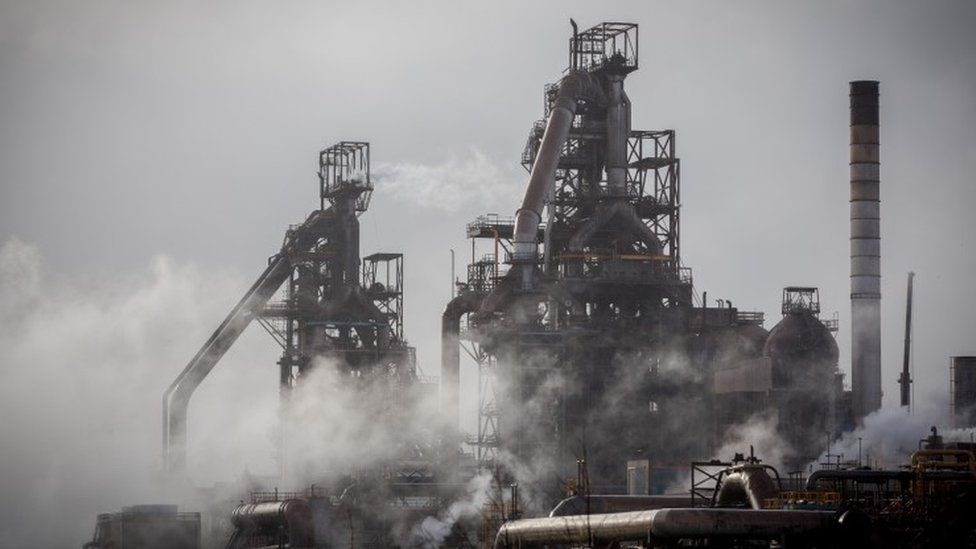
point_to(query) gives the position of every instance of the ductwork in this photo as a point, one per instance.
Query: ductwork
(176, 399)
(663, 523)
(574, 86)
(626, 217)
(618, 132)
(466, 302)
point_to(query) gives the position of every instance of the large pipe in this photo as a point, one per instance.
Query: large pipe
(176, 399)
(623, 212)
(573, 87)
(615, 503)
(663, 523)
(451, 355)
(865, 249)
(291, 516)
(618, 133)
(747, 485)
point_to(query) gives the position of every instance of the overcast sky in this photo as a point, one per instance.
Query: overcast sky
(131, 131)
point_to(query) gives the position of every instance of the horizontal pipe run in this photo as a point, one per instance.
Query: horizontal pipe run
(615, 503)
(862, 476)
(663, 523)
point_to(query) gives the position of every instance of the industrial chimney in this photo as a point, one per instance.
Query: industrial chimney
(865, 249)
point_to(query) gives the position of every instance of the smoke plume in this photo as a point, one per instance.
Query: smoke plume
(83, 366)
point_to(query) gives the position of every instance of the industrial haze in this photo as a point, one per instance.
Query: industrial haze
(151, 156)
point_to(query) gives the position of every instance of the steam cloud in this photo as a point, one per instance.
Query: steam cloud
(461, 181)
(431, 532)
(337, 423)
(889, 436)
(82, 370)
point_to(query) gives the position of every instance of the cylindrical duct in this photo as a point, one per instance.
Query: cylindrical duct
(618, 132)
(673, 524)
(572, 87)
(451, 356)
(865, 249)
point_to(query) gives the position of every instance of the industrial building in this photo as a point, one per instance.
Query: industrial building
(343, 313)
(584, 318)
(962, 397)
(603, 373)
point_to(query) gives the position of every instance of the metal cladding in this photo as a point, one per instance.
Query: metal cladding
(600, 504)
(290, 517)
(747, 484)
(963, 396)
(663, 523)
(865, 249)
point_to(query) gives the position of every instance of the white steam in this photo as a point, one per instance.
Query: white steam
(82, 370)
(431, 532)
(338, 423)
(759, 433)
(888, 437)
(460, 181)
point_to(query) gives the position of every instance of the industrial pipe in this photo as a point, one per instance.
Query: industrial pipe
(865, 249)
(663, 523)
(291, 515)
(176, 399)
(746, 485)
(451, 355)
(618, 133)
(625, 215)
(574, 86)
(856, 475)
(615, 503)
(871, 476)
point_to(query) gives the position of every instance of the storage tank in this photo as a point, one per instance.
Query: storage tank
(802, 350)
(802, 354)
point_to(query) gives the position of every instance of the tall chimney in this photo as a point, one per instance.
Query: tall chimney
(865, 249)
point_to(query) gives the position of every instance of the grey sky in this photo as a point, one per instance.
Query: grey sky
(191, 129)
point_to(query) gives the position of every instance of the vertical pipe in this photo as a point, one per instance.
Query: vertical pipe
(465, 302)
(906, 378)
(618, 132)
(865, 248)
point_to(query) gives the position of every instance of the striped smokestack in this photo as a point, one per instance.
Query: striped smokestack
(865, 249)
